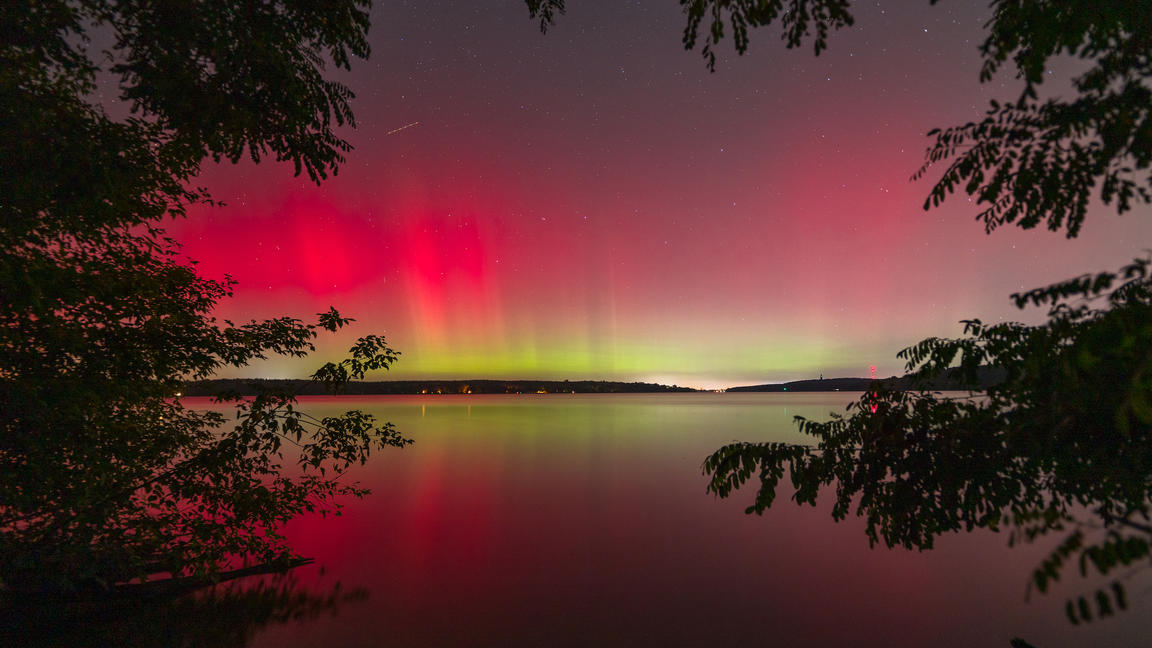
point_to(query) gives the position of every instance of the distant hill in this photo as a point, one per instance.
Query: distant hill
(828, 384)
(252, 386)
(987, 377)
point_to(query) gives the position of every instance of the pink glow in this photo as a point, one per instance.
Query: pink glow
(565, 211)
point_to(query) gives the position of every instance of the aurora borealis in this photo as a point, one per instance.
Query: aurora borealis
(593, 203)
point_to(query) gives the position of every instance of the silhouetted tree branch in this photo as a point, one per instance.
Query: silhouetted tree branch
(104, 476)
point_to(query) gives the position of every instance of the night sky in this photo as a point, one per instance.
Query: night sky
(593, 203)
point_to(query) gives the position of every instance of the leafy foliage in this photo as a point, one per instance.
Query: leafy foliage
(1026, 162)
(1040, 161)
(1061, 445)
(546, 10)
(799, 18)
(104, 476)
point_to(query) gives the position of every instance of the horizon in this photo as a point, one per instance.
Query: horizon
(386, 379)
(600, 336)
(594, 202)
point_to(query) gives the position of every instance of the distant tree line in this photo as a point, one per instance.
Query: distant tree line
(949, 380)
(252, 387)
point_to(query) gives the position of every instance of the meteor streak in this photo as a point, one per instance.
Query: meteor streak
(397, 130)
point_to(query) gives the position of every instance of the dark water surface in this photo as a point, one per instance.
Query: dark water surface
(582, 520)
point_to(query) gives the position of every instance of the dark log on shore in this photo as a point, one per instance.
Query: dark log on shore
(160, 588)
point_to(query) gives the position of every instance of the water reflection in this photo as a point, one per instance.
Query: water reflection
(569, 520)
(933, 465)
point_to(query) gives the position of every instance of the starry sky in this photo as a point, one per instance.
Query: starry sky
(594, 204)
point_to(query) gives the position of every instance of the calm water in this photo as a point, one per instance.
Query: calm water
(572, 520)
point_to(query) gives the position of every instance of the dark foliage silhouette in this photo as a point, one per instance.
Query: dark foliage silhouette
(1060, 446)
(229, 614)
(1063, 444)
(104, 477)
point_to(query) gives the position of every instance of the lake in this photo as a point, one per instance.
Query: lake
(582, 520)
